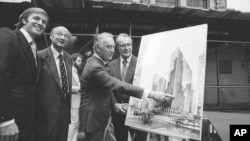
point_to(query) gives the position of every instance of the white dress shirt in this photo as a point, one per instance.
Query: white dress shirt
(75, 80)
(57, 60)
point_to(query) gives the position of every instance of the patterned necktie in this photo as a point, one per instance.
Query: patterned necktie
(33, 48)
(64, 79)
(124, 69)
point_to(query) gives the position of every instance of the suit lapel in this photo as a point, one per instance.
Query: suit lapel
(117, 69)
(52, 66)
(131, 69)
(25, 47)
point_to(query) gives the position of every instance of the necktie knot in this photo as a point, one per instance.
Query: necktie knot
(107, 65)
(32, 43)
(125, 61)
(60, 57)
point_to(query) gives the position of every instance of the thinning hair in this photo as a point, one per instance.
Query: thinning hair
(26, 13)
(54, 28)
(122, 35)
(99, 39)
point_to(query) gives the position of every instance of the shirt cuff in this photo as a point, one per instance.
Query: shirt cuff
(145, 94)
(75, 89)
(3, 124)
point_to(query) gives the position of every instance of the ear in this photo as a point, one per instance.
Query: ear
(98, 49)
(24, 21)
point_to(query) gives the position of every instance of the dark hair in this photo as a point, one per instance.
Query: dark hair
(26, 14)
(75, 55)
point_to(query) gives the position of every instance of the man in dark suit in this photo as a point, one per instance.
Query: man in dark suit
(53, 100)
(18, 71)
(97, 85)
(123, 68)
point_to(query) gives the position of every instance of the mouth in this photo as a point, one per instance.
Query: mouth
(61, 42)
(38, 27)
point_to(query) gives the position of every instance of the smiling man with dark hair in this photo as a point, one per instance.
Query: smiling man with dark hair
(18, 75)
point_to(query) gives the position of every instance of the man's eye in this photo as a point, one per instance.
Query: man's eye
(109, 47)
(44, 22)
(59, 34)
(36, 18)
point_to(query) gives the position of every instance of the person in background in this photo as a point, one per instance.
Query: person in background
(54, 97)
(18, 75)
(75, 96)
(123, 68)
(97, 85)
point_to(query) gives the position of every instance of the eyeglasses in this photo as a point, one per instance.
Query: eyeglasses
(125, 45)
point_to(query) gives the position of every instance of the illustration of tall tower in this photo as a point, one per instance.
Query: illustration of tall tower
(183, 93)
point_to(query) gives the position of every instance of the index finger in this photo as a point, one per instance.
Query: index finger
(169, 95)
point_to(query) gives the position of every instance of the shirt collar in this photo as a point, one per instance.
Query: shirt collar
(97, 56)
(26, 35)
(55, 52)
(128, 59)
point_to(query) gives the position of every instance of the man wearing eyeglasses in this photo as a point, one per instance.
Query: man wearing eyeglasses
(97, 86)
(123, 68)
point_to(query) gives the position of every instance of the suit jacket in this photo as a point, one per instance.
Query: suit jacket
(50, 94)
(17, 80)
(96, 87)
(115, 70)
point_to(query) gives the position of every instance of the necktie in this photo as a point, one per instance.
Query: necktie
(124, 69)
(107, 66)
(64, 79)
(33, 48)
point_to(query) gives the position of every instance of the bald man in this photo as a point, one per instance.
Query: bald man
(53, 100)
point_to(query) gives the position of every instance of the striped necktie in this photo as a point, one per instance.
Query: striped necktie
(124, 69)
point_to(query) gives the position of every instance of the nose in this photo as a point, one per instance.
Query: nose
(112, 50)
(63, 37)
(127, 46)
(40, 22)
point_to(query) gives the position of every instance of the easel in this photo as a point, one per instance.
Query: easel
(170, 138)
(177, 139)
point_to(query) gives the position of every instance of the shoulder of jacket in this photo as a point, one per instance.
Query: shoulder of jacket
(114, 61)
(42, 53)
(7, 32)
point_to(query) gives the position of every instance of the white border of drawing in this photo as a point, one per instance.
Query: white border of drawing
(155, 58)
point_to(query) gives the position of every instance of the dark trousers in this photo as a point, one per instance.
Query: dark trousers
(121, 131)
(60, 131)
(25, 124)
(95, 136)
(24, 134)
